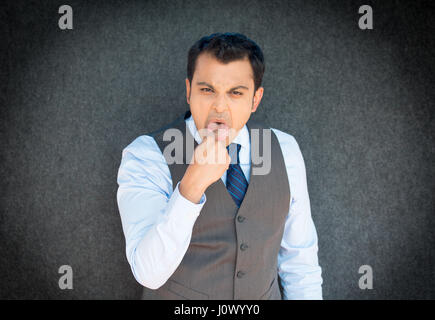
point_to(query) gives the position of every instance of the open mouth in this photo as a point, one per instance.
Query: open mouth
(216, 124)
(219, 127)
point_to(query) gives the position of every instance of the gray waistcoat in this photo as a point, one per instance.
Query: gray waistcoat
(233, 251)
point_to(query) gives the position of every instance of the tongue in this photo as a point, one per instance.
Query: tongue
(220, 129)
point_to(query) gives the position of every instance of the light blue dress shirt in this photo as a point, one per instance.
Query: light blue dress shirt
(158, 221)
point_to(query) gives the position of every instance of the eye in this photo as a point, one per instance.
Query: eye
(237, 93)
(206, 89)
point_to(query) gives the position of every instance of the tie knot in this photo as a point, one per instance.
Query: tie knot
(233, 151)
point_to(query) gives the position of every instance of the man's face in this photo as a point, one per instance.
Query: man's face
(224, 92)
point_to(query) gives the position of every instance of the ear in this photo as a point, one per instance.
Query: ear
(257, 98)
(188, 91)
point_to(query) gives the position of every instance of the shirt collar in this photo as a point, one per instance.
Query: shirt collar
(242, 137)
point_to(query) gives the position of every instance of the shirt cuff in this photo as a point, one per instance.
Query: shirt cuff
(201, 202)
(183, 208)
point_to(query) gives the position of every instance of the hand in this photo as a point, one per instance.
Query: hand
(209, 162)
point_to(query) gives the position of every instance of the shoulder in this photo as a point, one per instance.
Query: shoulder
(144, 165)
(143, 152)
(143, 146)
(290, 149)
(286, 140)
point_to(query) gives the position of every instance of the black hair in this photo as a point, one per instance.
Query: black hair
(228, 47)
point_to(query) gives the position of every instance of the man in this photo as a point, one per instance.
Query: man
(215, 229)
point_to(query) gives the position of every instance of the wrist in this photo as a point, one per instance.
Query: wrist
(191, 190)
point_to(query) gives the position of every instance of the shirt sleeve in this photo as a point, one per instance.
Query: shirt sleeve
(157, 222)
(298, 267)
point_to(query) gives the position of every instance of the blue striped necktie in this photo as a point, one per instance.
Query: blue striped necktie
(236, 181)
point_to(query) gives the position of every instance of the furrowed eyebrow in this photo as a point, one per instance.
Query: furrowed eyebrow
(202, 83)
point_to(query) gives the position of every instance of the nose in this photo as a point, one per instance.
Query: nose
(220, 104)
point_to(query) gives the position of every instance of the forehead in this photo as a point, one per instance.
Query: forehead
(209, 69)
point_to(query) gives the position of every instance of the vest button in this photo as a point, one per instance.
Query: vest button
(240, 218)
(243, 246)
(240, 274)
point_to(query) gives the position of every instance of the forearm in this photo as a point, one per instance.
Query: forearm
(162, 248)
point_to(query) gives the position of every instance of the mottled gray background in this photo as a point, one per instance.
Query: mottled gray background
(359, 103)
